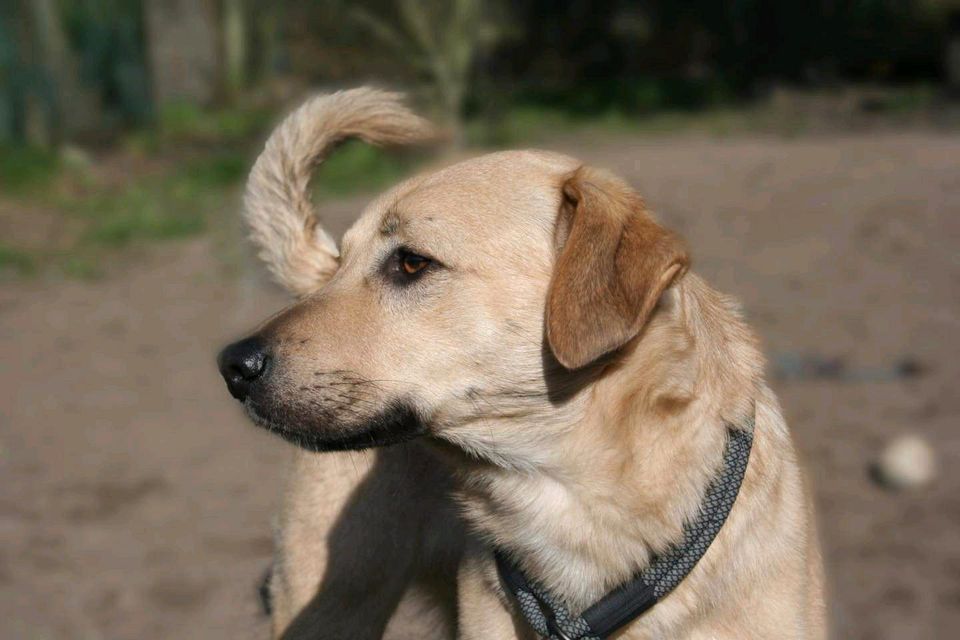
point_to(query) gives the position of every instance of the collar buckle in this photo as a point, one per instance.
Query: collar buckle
(555, 630)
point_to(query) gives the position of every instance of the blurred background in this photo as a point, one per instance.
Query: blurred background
(809, 151)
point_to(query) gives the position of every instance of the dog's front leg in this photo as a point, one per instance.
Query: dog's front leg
(345, 548)
(484, 612)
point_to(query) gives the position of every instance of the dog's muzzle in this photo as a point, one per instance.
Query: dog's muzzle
(244, 365)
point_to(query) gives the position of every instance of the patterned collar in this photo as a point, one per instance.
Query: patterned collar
(546, 613)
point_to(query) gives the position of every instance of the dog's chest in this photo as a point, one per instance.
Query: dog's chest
(572, 545)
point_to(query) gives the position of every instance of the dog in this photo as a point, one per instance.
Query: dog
(508, 356)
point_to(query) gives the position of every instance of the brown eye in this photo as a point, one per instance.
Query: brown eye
(413, 264)
(404, 268)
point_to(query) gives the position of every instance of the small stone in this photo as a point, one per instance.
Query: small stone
(907, 462)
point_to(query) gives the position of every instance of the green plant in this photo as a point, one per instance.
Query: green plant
(16, 260)
(358, 167)
(25, 168)
(162, 209)
(186, 122)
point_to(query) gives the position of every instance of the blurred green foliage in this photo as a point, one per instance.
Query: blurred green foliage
(23, 168)
(185, 122)
(16, 261)
(356, 168)
(159, 209)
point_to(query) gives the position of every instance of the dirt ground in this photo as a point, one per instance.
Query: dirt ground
(136, 502)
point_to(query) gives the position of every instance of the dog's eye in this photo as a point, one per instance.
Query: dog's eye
(404, 267)
(411, 263)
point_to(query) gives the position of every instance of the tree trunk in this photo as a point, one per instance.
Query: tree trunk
(182, 43)
(265, 23)
(234, 46)
(56, 103)
(952, 55)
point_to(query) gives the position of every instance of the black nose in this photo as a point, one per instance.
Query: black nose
(242, 364)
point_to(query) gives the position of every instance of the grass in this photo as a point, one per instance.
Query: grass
(184, 124)
(662, 107)
(356, 168)
(16, 261)
(533, 124)
(179, 202)
(23, 169)
(173, 205)
(904, 100)
(637, 106)
(185, 121)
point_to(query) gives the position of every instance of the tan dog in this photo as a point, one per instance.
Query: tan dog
(532, 336)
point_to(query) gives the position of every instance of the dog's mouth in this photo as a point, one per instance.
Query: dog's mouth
(397, 422)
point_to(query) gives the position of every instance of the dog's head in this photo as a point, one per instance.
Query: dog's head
(460, 300)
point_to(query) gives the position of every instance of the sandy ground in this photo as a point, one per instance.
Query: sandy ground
(135, 501)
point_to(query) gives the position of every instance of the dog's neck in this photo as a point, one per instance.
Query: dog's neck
(614, 473)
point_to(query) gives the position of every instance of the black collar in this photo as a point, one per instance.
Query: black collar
(551, 619)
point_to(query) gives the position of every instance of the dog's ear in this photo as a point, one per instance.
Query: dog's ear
(614, 263)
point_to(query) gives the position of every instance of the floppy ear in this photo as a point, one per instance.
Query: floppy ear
(613, 266)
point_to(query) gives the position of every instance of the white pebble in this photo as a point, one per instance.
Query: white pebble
(907, 462)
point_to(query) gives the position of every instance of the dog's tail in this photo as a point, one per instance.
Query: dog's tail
(299, 252)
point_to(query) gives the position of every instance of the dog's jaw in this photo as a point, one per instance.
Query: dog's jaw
(397, 422)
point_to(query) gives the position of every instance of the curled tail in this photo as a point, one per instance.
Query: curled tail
(301, 255)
